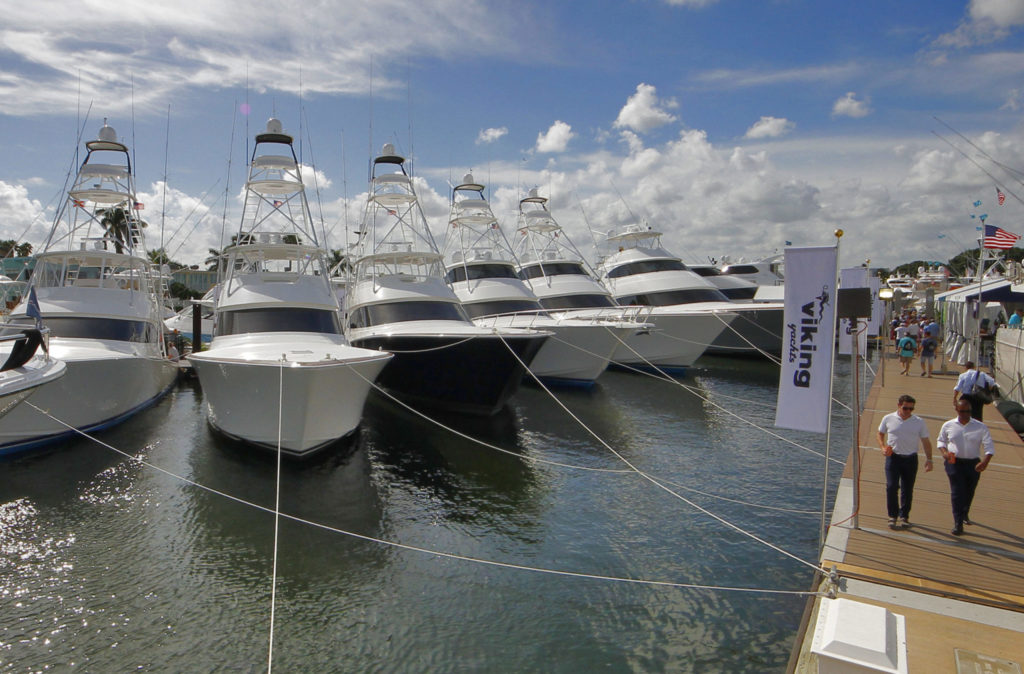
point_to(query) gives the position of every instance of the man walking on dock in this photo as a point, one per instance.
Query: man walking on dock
(972, 385)
(961, 441)
(898, 435)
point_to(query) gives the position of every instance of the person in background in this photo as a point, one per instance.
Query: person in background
(906, 348)
(1016, 319)
(928, 348)
(961, 441)
(971, 380)
(898, 435)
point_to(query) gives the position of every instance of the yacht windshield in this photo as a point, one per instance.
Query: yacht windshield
(478, 309)
(93, 328)
(551, 269)
(478, 271)
(670, 297)
(705, 271)
(242, 321)
(576, 302)
(746, 293)
(400, 312)
(646, 267)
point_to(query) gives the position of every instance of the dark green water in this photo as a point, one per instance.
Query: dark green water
(109, 565)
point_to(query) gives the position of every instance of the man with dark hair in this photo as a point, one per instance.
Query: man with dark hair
(898, 435)
(971, 382)
(961, 441)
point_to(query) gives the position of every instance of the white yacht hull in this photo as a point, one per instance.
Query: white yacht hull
(756, 330)
(676, 341)
(316, 385)
(106, 382)
(578, 351)
(19, 383)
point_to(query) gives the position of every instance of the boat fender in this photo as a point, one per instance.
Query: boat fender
(23, 350)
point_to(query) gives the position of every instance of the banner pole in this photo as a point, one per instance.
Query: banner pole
(828, 428)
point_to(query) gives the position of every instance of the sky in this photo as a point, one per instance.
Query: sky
(732, 126)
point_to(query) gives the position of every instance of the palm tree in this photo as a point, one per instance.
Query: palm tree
(119, 225)
(23, 249)
(212, 260)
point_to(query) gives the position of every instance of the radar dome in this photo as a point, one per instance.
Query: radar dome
(274, 126)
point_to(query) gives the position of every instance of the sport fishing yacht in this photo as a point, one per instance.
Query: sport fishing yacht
(638, 270)
(279, 372)
(97, 293)
(398, 301)
(481, 270)
(556, 271)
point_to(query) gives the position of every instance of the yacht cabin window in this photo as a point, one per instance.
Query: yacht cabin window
(478, 271)
(646, 267)
(400, 312)
(92, 328)
(671, 297)
(242, 321)
(551, 269)
(577, 302)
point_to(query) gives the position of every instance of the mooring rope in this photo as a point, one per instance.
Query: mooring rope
(654, 481)
(422, 550)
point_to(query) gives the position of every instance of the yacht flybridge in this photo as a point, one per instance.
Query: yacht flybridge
(98, 295)
(638, 270)
(398, 301)
(279, 373)
(481, 270)
(556, 271)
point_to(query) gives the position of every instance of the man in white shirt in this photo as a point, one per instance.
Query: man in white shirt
(898, 435)
(965, 387)
(961, 442)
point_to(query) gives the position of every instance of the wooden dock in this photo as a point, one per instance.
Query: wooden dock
(963, 597)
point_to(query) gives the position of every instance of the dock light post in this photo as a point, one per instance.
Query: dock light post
(886, 295)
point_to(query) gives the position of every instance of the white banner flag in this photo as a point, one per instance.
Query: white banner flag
(853, 277)
(808, 339)
(877, 307)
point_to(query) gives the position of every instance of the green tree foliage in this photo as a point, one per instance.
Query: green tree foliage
(118, 224)
(10, 248)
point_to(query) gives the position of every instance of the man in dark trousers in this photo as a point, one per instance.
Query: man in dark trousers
(961, 442)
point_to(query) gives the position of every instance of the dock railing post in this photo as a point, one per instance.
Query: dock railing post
(855, 406)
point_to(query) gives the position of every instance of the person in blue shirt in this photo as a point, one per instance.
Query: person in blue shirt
(906, 347)
(1016, 320)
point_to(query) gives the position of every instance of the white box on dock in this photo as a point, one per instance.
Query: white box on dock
(851, 637)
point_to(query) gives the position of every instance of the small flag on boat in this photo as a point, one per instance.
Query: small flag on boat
(32, 306)
(1000, 197)
(997, 237)
(278, 204)
(139, 205)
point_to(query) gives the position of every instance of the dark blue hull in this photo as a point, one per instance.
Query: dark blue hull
(472, 376)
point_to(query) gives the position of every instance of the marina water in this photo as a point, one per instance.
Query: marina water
(112, 565)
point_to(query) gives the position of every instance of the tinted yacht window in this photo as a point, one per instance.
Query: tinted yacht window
(551, 269)
(670, 297)
(646, 267)
(400, 312)
(242, 321)
(577, 302)
(477, 309)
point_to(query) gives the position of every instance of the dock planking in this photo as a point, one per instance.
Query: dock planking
(958, 593)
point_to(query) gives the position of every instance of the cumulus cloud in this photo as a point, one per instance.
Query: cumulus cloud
(849, 106)
(555, 139)
(986, 21)
(643, 110)
(770, 127)
(490, 135)
(1013, 100)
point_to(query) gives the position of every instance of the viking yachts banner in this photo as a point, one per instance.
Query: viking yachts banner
(808, 339)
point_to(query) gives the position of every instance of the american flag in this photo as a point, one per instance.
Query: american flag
(138, 205)
(278, 204)
(997, 237)
(1000, 197)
